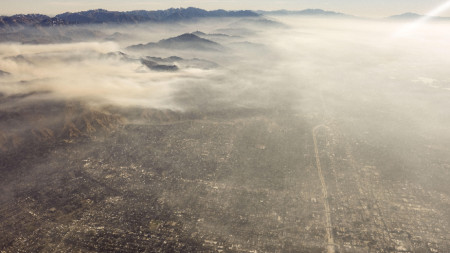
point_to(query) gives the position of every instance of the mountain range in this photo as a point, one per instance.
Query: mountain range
(323, 13)
(101, 16)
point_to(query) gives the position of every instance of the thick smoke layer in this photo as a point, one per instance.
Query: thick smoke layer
(84, 71)
(300, 135)
(392, 90)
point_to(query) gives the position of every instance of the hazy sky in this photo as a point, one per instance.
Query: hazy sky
(368, 8)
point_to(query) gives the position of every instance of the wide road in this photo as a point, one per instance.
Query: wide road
(330, 239)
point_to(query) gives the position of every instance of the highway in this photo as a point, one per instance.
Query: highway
(330, 239)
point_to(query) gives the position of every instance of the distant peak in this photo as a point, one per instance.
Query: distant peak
(199, 33)
(406, 15)
(99, 10)
(410, 14)
(187, 36)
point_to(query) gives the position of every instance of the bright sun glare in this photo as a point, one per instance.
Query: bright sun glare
(409, 28)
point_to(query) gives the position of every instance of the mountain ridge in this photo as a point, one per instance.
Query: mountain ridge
(183, 41)
(102, 16)
(411, 15)
(305, 12)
